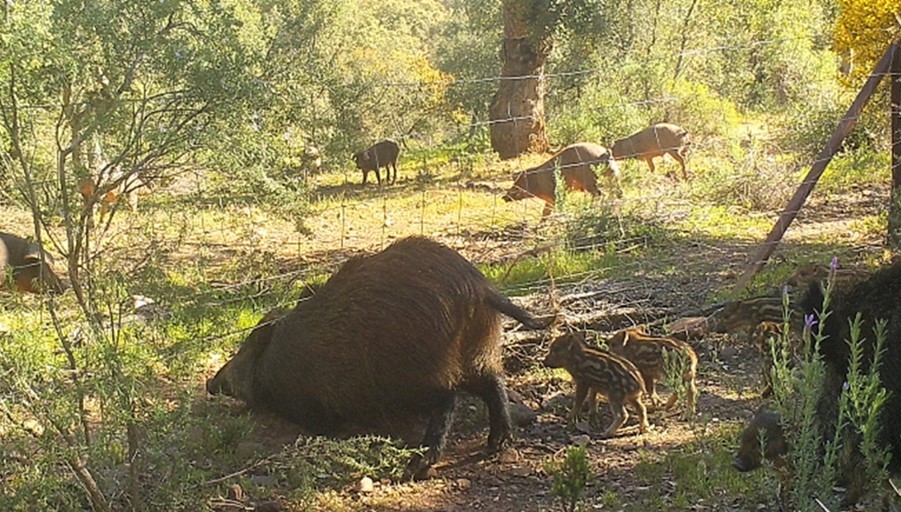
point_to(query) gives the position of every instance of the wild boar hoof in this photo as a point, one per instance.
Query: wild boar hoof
(498, 442)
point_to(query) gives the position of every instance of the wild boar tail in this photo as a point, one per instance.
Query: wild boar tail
(507, 307)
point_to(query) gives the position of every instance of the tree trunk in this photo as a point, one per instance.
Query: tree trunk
(894, 215)
(517, 111)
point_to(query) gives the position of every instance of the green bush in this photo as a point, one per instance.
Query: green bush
(570, 475)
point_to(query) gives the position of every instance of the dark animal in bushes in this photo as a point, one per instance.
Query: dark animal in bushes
(26, 267)
(648, 354)
(876, 298)
(598, 371)
(653, 141)
(576, 163)
(763, 438)
(381, 154)
(396, 333)
(765, 426)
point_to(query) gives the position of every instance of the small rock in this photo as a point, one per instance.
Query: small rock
(521, 471)
(264, 480)
(463, 483)
(365, 485)
(247, 449)
(583, 427)
(522, 415)
(508, 456)
(580, 440)
(728, 352)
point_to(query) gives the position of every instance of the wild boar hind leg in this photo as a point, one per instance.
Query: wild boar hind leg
(491, 389)
(420, 465)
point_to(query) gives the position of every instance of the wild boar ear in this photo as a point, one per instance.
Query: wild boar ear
(261, 335)
(33, 253)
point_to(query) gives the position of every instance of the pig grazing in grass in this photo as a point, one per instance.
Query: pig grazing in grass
(381, 154)
(396, 333)
(657, 140)
(576, 164)
(26, 264)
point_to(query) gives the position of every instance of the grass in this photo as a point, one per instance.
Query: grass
(697, 472)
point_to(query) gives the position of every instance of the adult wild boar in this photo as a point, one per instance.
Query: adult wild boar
(396, 333)
(576, 163)
(653, 141)
(26, 263)
(381, 154)
(875, 298)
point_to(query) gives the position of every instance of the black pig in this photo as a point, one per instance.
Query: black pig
(381, 154)
(878, 297)
(394, 333)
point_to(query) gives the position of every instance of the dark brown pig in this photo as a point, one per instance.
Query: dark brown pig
(576, 163)
(26, 263)
(761, 439)
(653, 141)
(381, 154)
(396, 333)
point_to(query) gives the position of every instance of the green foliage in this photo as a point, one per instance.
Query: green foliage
(706, 112)
(699, 470)
(854, 169)
(570, 475)
(863, 399)
(752, 175)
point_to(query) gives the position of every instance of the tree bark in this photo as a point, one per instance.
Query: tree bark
(517, 110)
(894, 215)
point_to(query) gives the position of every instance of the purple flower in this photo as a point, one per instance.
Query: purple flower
(833, 265)
(846, 386)
(810, 320)
(786, 289)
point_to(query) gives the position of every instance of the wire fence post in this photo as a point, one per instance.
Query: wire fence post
(819, 165)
